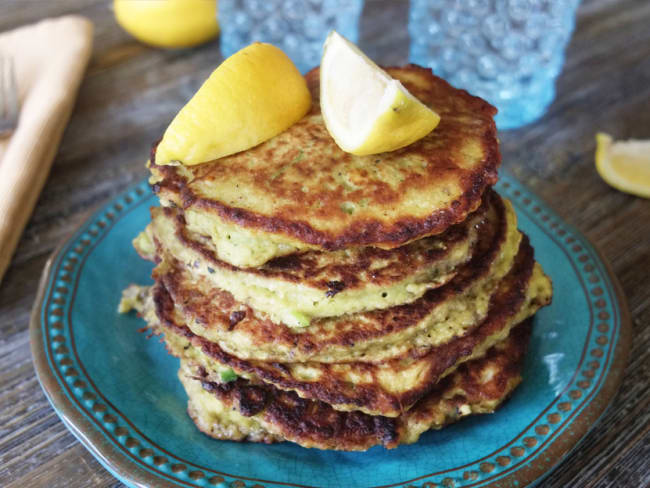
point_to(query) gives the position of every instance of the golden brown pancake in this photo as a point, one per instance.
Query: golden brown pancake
(242, 410)
(300, 191)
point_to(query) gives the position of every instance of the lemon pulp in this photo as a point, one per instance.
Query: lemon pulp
(365, 110)
(625, 165)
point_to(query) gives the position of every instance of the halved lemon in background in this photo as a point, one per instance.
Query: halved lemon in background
(168, 23)
(252, 96)
(365, 110)
(625, 165)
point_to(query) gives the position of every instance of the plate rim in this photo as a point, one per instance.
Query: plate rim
(132, 474)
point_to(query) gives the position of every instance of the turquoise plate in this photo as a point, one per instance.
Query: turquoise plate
(118, 392)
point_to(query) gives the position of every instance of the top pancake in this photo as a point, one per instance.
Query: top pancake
(300, 191)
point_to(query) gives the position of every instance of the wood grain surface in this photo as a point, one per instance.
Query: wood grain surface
(131, 92)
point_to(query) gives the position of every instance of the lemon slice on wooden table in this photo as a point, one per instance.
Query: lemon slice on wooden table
(625, 165)
(168, 23)
(252, 96)
(365, 110)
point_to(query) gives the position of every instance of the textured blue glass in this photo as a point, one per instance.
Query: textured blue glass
(298, 27)
(507, 51)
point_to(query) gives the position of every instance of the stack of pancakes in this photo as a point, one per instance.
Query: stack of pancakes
(341, 301)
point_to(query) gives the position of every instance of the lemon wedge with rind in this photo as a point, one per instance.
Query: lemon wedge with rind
(364, 109)
(252, 96)
(625, 165)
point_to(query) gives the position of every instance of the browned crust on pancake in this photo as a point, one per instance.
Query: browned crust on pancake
(304, 267)
(217, 431)
(316, 424)
(506, 358)
(332, 388)
(309, 423)
(215, 309)
(372, 231)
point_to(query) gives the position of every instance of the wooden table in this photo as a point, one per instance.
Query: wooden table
(130, 94)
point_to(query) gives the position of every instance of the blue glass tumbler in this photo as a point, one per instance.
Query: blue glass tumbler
(298, 27)
(508, 52)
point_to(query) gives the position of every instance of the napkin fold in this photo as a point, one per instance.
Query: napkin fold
(50, 58)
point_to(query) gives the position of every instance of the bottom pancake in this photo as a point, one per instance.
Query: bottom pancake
(242, 410)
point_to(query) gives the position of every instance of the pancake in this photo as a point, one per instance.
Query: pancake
(386, 389)
(372, 336)
(242, 410)
(299, 191)
(294, 289)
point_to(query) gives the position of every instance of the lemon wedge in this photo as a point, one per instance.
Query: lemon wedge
(252, 96)
(365, 110)
(625, 165)
(168, 23)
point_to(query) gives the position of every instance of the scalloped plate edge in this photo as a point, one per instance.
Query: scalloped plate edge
(136, 475)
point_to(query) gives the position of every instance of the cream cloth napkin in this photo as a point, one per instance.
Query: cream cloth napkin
(50, 58)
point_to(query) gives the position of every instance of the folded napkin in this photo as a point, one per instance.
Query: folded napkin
(49, 58)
